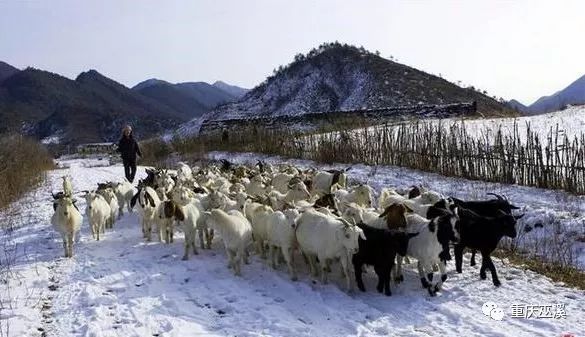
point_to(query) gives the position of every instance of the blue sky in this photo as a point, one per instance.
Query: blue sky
(515, 49)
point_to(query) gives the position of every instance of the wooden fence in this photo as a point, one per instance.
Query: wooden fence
(552, 161)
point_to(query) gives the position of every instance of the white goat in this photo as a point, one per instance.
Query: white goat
(360, 195)
(256, 186)
(184, 173)
(236, 233)
(185, 197)
(220, 200)
(165, 183)
(190, 227)
(124, 192)
(67, 186)
(281, 235)
(112, 200)
(355, 214)
(426, 247)
(67, 221)
(98, 213)
(258, 215)
(323, 181)
(280, 182)
(149, 203)
(297, 192)
(327, 238)
(389, 196)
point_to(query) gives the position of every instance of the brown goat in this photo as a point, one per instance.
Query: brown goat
(395, 216)
(414, 192)
(171, 212)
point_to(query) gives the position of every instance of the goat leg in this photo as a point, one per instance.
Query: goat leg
(492, 268)
(459, 258)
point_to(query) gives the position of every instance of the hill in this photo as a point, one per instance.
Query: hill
(93, 108)
(514, 104)
(336, 77)
(233, 90)
(342, 77)
(6, 70)
(574, 94)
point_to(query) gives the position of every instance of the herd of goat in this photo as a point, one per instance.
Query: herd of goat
(282, 209)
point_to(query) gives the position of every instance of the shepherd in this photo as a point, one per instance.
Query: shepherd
(128, 148)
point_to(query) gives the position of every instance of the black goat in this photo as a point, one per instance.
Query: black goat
(327, 201)
(483, 233)
(379, 250)
(226, 165)
(489, 208)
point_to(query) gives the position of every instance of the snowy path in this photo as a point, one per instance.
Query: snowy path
(122, 286)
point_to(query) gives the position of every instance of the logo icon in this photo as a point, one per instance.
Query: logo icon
(490, 309)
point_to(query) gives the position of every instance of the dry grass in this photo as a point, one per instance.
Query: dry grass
(155, 152)
(23, 162)
(569, 275)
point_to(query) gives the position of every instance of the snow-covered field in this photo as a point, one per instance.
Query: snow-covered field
(570, 121)
(122, 286)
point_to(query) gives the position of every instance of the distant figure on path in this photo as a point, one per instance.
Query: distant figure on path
(128, 148)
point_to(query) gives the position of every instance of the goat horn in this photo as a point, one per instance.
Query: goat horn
(496, 195)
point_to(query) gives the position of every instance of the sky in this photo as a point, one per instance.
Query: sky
(520, 49)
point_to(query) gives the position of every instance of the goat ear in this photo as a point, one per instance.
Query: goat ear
(514, 207)
(149, 199)
(456, 211)
(362, 235)
(411, 235)
(133, 200)
(519, 216)
(408, 209)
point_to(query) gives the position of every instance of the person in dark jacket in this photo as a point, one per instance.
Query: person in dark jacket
(128, 148)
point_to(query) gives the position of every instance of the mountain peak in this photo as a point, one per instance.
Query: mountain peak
(516, 105)
(6, 70)
(148, 83)
(233, 90)
(90, 74)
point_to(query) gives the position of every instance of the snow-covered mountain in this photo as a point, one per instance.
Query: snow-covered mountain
(340, 77)
(573, 94)
(233, 90)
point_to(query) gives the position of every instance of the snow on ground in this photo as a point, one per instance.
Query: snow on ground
(570, 121)
(122, 286)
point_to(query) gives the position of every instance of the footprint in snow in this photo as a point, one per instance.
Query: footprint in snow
(231, 299)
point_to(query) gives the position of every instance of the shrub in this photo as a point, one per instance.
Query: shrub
(23, 162)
